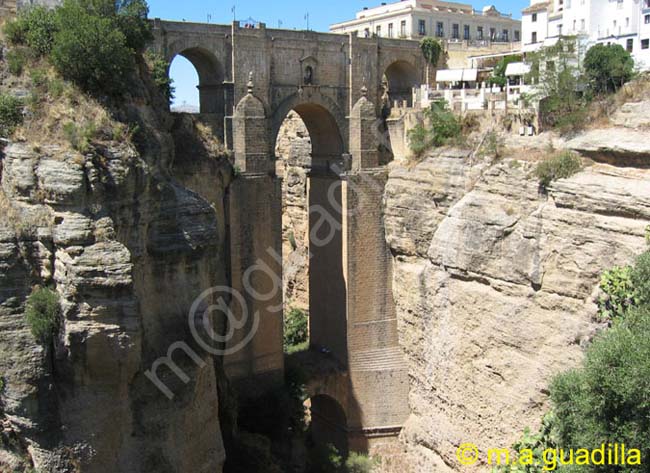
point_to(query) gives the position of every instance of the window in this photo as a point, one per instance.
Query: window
(559, 30)
(645, 43)
(366, 32)
(534, 17)
(390, 30)
(422, 27)
(627, 22)
(466, 34)
(517, 35)
(506, 35)
(379, 31)
(493, 34)
(533, 37)
(575, 24)
(440, 29)
(582, 25)
(402, 29)
(647, 19)
(630, 45)
(479, 32)
(455, 31)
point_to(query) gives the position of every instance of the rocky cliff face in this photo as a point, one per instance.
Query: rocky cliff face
(128, 248)
(495, 284)
(293, 150)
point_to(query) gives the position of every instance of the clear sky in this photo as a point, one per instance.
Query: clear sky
(291, 14)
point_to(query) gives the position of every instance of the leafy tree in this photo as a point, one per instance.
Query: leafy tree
(499, 74)
(555, 71)
(432, 51)
(42, 313)
(608, 67)
(90, 51)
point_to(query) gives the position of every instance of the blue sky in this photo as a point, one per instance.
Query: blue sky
(291, 13)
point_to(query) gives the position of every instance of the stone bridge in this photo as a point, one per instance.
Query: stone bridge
(341, 86)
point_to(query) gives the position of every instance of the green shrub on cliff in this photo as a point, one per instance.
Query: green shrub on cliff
(619, 293)
(440, 127)
(296, 330)
(90, 42)
(608, 400)
(11, 114)
(559, 166)
(42, 313)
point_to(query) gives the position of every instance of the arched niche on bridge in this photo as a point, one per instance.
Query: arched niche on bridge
(326, 288)
(210, 79)
(401, 76)
(329, 423)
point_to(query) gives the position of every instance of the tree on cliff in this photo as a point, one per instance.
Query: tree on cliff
(432, 51)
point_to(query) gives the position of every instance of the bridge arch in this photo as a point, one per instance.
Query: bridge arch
(401, 76)
(329, 424)
(324, 120)
(211, 76)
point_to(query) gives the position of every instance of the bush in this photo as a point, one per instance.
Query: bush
(251, 453)
(42, 313)
(498, 76)
(296, 329)
(608, 400)
(608, 67)
(159, 74)
(11, 114)
(358, 463)
(16, 60)
(560, 166)
(441, 126)
(619, 293)
(80, 137)
(640, 277)
(34, 27)
(325, 459)
(90, 51)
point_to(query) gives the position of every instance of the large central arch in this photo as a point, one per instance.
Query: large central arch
(327, 288)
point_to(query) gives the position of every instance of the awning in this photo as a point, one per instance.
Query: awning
(517, 69)
(456, 75)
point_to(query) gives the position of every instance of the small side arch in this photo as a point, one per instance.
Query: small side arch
(329, 425)
(401, 76)
(211, 77)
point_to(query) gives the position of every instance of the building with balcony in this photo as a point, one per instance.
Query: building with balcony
(415, 19)
(624, 22)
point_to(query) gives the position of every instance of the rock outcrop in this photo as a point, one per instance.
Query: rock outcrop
(495, 283)
(128, 248)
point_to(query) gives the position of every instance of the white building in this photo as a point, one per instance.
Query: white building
(415, 19)
(624, 22)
